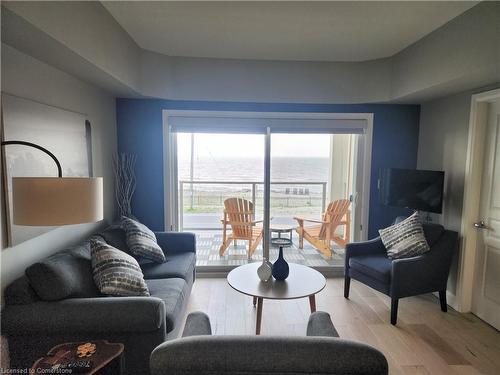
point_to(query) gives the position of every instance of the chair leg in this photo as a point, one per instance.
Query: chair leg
(224, 246)
(394, 311)
(442, 299)
(347, 285)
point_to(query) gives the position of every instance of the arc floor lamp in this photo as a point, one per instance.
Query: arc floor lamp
(54, 201)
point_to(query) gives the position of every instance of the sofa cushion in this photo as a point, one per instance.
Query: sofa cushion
(405, 239)
(115, 236)
(66, 274)
(377, 266)
(173, 292)
(20, 292)
(142, 241)
(115, 272)
(179, 265)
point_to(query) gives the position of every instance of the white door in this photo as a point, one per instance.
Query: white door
(486, 296)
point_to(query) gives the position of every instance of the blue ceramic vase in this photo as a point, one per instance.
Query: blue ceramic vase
(280, 267)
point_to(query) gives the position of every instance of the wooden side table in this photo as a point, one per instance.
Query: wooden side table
(106, 359)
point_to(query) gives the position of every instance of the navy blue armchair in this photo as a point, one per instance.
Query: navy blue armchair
(368, 263)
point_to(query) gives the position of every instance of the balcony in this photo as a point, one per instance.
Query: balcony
(202, 202)
(201, 205)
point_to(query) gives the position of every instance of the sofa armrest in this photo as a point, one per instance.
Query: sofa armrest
(176, 242)
(100, 314)
(197, 324)
(320, 324)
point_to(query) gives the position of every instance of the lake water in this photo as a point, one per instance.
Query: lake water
(283, 169)
(295, 197)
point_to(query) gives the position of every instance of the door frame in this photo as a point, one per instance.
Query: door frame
(170, 155)
(472, 194)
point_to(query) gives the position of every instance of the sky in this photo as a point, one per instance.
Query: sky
(252, 145)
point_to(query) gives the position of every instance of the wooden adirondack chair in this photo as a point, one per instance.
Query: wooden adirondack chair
(321, 234)
(239, 214)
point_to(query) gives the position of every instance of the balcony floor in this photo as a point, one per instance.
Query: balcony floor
(208, 244)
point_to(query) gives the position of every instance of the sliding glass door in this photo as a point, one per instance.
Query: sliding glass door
(290, 167)
(213, 167)
(311, 174)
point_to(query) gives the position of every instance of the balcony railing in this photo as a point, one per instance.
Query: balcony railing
(204, 200)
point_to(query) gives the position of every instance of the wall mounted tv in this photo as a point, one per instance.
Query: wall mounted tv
(416, 189)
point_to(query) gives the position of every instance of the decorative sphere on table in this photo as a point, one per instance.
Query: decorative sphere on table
(265, 270)
(280, 267)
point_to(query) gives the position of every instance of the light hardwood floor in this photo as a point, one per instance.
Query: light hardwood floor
(425, 341)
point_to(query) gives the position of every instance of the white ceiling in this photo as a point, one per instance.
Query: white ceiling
(282, 30)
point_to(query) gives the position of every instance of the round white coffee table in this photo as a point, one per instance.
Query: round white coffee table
(302, 282)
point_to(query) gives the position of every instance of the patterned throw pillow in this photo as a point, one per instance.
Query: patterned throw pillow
(115, 272)
(142, 241)
(405, 239)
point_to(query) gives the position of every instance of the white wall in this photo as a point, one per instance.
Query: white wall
(185, 78)
(88, 29)
(460, 55)
(442, 145)
(29, 78)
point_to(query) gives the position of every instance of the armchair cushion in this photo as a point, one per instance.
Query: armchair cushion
(377, 266)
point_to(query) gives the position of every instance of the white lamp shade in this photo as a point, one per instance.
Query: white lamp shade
(50, 201)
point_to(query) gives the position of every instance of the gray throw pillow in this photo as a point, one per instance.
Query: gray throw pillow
(115, 236)
(115, 272)
(65, 274)
(142, 241)
(405, 239)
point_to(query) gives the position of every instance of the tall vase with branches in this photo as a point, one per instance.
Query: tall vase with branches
(125, 182)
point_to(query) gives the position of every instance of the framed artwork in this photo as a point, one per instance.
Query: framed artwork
(66, 134)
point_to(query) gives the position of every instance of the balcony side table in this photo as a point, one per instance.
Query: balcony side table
(281, 229)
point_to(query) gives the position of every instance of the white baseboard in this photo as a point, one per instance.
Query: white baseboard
(451, 299)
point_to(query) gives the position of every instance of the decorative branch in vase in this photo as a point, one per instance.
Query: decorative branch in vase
(125, 182)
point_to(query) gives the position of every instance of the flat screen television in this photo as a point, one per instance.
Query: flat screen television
(410, 188)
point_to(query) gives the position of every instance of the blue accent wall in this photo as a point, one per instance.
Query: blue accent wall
(140, 131)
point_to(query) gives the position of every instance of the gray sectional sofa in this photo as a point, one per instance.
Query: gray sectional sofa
(56, 301)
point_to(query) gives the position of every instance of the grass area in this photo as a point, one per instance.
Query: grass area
(279, 206)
